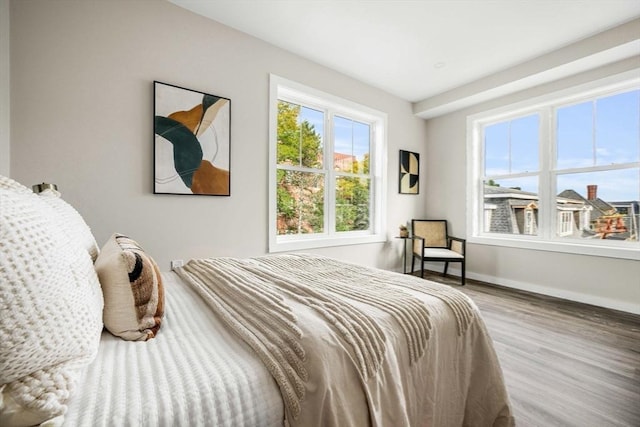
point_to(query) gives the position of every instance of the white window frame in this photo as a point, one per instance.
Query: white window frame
(529, 221)
(548, 221)
(297, 93)
(565, 223)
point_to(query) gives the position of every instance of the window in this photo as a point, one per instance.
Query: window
(326, 169)
(559, 173)
(565, 223)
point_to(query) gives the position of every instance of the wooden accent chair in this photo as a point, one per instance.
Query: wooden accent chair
(432, 242)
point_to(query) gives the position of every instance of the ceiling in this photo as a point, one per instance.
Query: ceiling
(420, 49)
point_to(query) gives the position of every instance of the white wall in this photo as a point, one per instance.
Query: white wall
(609, 282)
(5, 127)
(81, 117)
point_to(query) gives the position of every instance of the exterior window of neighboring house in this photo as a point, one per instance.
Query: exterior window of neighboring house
(327, 158)
(530, 221)
(565, 223)
(559, 172)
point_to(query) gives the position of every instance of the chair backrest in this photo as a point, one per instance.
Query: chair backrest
(433, 231)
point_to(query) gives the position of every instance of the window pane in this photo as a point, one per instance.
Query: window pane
(524, 144)
(300, 134)
(300, 202)
(511, 206)
(604, 204)
(575, 136)
(361, 146)
(512, 146)
(618, 128)
(352, 203)
(351, 146)
(496, 144)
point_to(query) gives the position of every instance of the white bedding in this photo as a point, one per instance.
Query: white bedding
(197, 373)
(193, 373)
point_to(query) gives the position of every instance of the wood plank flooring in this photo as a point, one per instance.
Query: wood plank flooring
(564, 363)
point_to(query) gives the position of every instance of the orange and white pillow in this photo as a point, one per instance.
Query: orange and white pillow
(132, 288)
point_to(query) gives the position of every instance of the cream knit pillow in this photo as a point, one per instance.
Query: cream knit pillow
(9, 184)
(73, 225)
(132, 289)
(50, 310)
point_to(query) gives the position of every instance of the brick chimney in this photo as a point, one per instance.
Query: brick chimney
(592, 192)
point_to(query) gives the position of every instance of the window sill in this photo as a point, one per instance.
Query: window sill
(631, 252)
(312, 242)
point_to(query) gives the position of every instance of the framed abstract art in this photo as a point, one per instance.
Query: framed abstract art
(409, 172)
(192, 142)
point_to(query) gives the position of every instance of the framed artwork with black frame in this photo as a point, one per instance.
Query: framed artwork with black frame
(192, 145)
(409, 172)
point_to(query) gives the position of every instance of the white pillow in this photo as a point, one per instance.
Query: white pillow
(50, 309)
(9, 184)
(71, 222)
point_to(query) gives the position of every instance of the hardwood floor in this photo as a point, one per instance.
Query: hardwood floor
(565, 363)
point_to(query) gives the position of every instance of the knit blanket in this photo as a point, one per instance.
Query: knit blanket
(344, 342)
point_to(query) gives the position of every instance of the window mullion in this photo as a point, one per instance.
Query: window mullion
(477, 221)
(509, 148)
(373, 198)
(594, 143)
(547, 177)
(330, 179)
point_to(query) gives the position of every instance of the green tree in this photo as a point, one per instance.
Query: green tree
(300, 195)
(298, 142)
(352, 199)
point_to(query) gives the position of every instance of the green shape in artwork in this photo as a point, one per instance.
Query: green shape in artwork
(208, 101)
(187, 152)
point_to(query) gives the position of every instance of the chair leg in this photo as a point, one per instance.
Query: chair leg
(463, 274)
(422, 269)
(413, 264)
(446, 267)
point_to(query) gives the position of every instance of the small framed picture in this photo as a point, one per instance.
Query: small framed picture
(409, 172)
(192, 132)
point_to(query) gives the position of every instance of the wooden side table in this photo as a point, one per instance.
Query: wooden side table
(404, 252)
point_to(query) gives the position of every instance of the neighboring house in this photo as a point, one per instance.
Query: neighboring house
(630, 213)
(510, 210)
(513, 211)
(343, 162)
(606, 220)
(600, 207)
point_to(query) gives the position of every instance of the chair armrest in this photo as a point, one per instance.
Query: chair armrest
(463, 244)
(413, 239)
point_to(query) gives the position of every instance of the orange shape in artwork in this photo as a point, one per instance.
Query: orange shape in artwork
(191, 118)
(209, 179)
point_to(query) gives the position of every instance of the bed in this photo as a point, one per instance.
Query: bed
(293, 340)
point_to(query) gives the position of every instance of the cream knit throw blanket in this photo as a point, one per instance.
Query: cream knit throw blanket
(250, 298)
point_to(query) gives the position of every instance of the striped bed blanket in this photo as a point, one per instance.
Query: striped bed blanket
(354, 346)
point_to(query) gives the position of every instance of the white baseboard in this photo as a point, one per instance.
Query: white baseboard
(559, 293)
(544, 290)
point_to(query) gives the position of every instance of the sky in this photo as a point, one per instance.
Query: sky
(351, 137)
(594, 133)
(600, 133)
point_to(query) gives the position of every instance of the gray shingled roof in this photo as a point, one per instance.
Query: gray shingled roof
(603, 207)
(492, 189)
